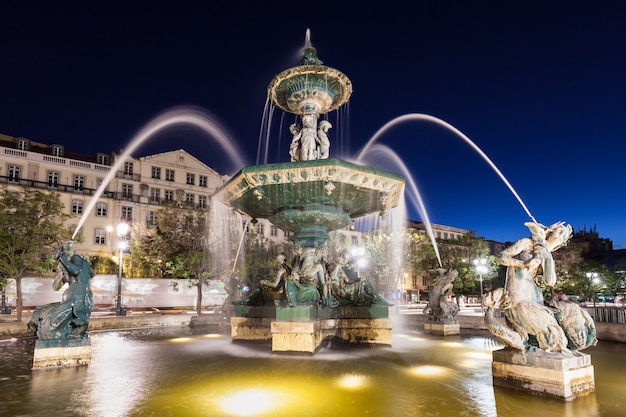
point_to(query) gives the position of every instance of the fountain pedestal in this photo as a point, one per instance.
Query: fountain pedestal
(442, 328)
(548, 374)
(61, 353)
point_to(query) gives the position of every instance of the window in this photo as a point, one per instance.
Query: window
(191, 179)
(156, 173)
(100, 181)
(100, 237)
(77, 206)
(260, 229)
(189, 198)
(169, 195)
(79, 182)
(101, 209)
(57, 150)
(127, 190)
(23, 144)
(355, 240)
(128, 168)
(286, 233)
(203, 181)
(14, 173)
(53, 179)
(102, 159)
(274, 231)
(169, 175)
(152, 218)
(155, 195)
(414, 281)
(127, 214)
(202, 201)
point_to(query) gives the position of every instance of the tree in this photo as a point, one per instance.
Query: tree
(259, 260)
(176, 247)
(31, 228)
(587, 278)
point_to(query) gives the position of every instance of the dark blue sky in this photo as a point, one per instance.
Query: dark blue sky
(540, 87)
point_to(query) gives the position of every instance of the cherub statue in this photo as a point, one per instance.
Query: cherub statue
(322, 136)
(294, 148)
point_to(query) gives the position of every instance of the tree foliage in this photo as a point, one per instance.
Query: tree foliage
(175, 248)
(31, 228)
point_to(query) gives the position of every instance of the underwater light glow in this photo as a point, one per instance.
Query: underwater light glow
(452, 344)
(181, 340)
(249, 402)
(353, 381)
(429, 370)
(213, 336)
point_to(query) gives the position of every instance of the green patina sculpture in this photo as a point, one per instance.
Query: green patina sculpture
(68, 319)
(351, 291)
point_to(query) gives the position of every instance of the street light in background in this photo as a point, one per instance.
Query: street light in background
(593, 279)
(358, 254)
(122, 231)
(480, 265)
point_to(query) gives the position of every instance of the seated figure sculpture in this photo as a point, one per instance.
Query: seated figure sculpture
(439, 308)
(68, 319)
(271, 291)
(348, 291)
(307, 280)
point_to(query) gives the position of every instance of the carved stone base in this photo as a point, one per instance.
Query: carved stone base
(296, 336)
(548, 374)
(365, 331)
(442, 328)
(304, 328)
(250, 328)
(61, 353)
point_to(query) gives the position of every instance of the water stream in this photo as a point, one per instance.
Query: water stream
(183, 115)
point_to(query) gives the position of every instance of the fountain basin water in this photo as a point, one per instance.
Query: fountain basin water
(181, 371)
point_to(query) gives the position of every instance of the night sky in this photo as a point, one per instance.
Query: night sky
(539, 87)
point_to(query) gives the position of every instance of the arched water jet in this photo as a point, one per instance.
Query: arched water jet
(190, 116)
(419, 116)
(414, 194)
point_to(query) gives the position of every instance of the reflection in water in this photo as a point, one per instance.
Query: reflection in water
(187, 372)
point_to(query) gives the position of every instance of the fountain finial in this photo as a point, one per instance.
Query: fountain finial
(309, 53)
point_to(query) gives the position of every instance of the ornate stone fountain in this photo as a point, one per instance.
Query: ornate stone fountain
(312, 299)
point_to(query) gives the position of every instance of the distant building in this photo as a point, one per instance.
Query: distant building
(133, 195)
(595, 248)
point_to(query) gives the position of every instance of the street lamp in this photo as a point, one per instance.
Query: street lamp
(358, 254)
(593, 279)
(122, 231)
(481, 268)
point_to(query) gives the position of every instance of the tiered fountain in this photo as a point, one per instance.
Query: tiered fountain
(311, 196)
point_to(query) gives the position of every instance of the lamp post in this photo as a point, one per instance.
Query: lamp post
(358, 253)
(593, 279)
(481, 268)
(122, 231)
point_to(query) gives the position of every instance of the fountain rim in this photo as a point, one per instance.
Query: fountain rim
(315, 163)
(301, 70)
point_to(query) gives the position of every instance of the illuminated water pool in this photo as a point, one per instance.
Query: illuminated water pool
(189, 372)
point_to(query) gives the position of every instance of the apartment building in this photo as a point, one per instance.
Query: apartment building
(134, 193)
